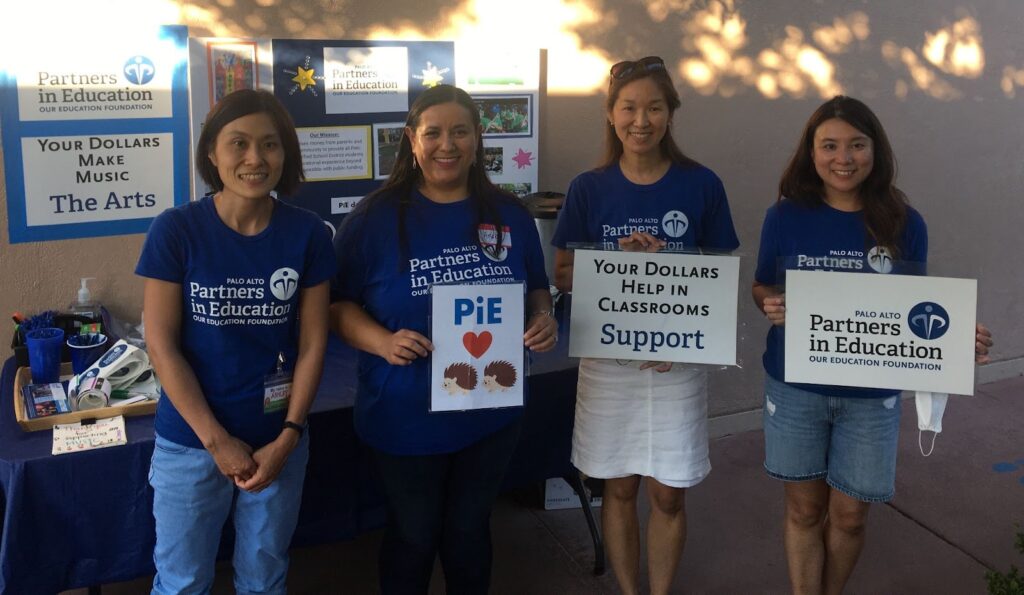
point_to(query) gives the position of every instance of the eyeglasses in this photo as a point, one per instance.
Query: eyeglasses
(625, 68)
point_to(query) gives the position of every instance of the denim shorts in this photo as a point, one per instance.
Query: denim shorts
(850, 443)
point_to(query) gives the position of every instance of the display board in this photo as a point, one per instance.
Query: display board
(350, 98)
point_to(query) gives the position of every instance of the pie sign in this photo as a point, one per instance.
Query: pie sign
(478, 357)
(477, 345)
(482, 310)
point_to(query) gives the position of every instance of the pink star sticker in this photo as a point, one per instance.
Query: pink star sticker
(523, 158)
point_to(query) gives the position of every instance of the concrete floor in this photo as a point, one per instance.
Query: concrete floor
(952, 519)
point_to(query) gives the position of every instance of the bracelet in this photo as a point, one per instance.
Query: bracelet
(550, 313)
(290, 425)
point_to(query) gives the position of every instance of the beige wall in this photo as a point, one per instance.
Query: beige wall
(750, 73)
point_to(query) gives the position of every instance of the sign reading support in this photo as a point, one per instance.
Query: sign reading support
(660, 307)
(96, 139)
(881, 331)
(477, 332)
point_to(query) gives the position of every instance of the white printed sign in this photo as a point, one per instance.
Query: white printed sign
(344, 204)
(100, 177)
(660, 307)
(881, 331)
(99, 81)
(477, 331)
(366, 80)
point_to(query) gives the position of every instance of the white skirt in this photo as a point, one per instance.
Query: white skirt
(641, 422)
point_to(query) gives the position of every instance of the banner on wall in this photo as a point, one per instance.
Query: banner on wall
(95, 139)
(665, 307)
(881, 331)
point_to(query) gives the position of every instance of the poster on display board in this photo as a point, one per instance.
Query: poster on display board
(505, 85)
(95, 139)
(218, 67)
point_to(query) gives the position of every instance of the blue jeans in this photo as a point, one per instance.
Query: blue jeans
(192, 501)
(442, 504)
(850, 443)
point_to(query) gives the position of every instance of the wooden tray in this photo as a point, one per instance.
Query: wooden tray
(24, 377)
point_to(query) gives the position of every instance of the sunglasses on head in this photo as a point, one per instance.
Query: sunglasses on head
(625, 68)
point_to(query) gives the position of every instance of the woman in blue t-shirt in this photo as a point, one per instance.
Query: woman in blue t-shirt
(642, 421)
(835, 447)
(437, 218)
(235, 304)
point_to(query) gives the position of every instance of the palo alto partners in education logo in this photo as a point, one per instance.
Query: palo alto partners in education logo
(283, 283)
(928, 320)
(675, 223)
(139, 70)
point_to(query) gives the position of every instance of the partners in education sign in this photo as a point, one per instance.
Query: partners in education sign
(666, 307)
(477, 332)
(881, 331)
(96, 138)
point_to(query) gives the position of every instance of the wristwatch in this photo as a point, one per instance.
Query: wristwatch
(290, 425)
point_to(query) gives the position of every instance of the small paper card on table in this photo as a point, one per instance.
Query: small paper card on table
(477, 331)
(77, 437)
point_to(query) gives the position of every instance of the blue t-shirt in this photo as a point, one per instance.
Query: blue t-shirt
(687, 208)
(240, 298)
(392, 402)
(824, 238)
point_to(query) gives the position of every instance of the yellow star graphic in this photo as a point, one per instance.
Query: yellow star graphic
(304, 78)
(431, 77)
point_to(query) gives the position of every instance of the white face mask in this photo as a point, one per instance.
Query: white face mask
(930, 407)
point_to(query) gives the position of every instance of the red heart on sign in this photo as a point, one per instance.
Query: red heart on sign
(477, 345)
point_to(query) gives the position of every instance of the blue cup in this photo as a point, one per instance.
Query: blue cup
(85, 350)
(44, 347)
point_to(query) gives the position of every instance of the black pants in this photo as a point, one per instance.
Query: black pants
(442, 504)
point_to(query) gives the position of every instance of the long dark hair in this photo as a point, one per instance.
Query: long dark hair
(405, 178)
(613, 144)
(884, 205)
(242, 103)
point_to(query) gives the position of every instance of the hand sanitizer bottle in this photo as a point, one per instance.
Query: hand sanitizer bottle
(84, 306)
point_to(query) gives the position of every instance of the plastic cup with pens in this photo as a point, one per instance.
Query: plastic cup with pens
(44, 347)
(86, 348)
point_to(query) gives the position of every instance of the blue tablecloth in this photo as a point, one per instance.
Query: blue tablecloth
(86, 518)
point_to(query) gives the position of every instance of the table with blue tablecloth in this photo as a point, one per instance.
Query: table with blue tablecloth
(86, 518)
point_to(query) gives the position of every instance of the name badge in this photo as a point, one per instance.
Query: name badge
(277, 391)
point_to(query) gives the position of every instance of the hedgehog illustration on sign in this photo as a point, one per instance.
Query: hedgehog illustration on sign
(459, 378)
(499, 375)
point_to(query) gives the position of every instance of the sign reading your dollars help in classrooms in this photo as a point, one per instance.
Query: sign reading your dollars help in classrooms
(881, 331)
(666, 307)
